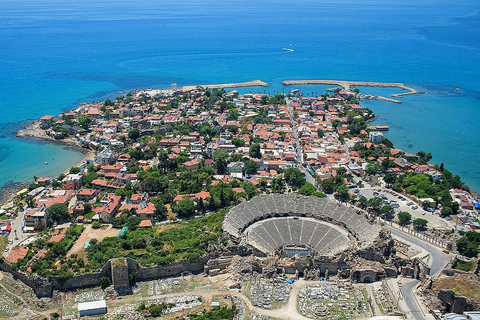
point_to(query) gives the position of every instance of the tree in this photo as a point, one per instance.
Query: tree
(404, 217)
(58, 212)
(424, 157)
(294, 177)
(87, 208)
(363, 202)
(328, 185)
(374, 203)
(85, 121)
(133, 222)
(386, 142)
(251, 167)
(134, 134)
(185, 208)
(357, 125)
(238, 142)
(251, 190)
(108, 102)
(373, 168)
(390, 178)
(220, 158)
(105, 282)
(341, 191)
(387, 212)
(336, 123)
(420, 223)
(75, 170)
(161, 211)
(308, 189)
(320, 133)
(255, 151)
(341, 171)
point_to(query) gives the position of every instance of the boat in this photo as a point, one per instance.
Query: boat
(46, 162)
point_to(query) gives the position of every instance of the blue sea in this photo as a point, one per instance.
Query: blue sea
(55, 54)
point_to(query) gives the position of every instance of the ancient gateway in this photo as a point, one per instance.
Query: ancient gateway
(314, 236)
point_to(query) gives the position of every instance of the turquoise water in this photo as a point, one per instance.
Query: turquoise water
(56, 54)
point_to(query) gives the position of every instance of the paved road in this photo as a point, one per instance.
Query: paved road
(437, 262)
(17, 224)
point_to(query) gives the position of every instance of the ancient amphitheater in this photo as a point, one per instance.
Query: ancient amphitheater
(276, 224)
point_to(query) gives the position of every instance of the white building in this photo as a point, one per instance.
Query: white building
(375, 136)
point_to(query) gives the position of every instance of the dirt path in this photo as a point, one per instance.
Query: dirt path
(90, 233)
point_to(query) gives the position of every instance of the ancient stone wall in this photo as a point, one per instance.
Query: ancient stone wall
(195, 266)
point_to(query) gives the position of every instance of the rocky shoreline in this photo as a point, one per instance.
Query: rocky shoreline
(33, 130)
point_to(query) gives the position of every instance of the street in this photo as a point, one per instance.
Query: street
(437, 262)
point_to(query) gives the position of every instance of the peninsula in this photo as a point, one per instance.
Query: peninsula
(191, 195)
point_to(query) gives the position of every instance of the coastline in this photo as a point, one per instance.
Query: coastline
(33, 131)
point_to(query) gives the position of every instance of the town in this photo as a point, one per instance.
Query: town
(207, 199)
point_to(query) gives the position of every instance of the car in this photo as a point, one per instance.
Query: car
(399, 284)
(409, 203)
(10, 241)
(430, 209)
(394, 194)
(6, 249)
(414, 207)
(448, 218)
(356, 191)
(375, 194)
(386, 202)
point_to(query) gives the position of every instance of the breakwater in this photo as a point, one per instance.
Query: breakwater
(346, 85)
(254, 83)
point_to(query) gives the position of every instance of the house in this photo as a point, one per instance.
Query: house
(72, 181)
(33, 218)
(137, 198)
(146, 211)
(46, 121)
(145, 224)
(236, 167)
(111, 203)
(190, 165)
(86, 195)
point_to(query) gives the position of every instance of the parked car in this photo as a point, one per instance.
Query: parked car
(10, 241)
(409, 203)
(414, 207)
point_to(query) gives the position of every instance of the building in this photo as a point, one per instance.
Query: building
(92, 308)
(236, 167)
(72, 181)
(46, 121)
(375, 136)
